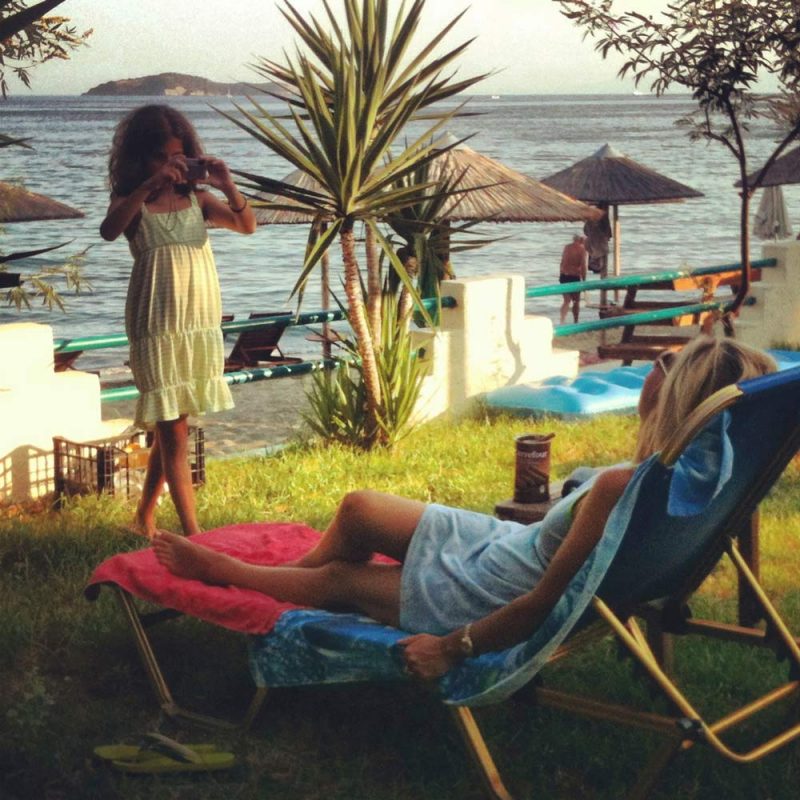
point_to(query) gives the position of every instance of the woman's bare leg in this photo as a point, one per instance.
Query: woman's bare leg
(174, 444)
(144, 521)
(373, 589)
(366, 522)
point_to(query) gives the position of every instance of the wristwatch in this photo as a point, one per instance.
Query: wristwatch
(465, 643)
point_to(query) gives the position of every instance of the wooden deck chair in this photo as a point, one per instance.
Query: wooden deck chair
(259, 347)
(64, 361)
(680, 512)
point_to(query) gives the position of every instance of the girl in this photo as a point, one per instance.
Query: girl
(173, 310)
(467, 583)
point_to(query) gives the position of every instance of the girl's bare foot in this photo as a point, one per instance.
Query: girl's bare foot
(187, 559)
(142, 526)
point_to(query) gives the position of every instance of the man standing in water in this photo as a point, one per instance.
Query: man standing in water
(574, 259)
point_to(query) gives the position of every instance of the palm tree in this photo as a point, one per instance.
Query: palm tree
(350, 98)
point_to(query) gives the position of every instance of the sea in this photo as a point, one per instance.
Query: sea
(536, 135)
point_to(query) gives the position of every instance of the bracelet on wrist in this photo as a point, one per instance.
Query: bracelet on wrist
(241, 208)
(465, 644)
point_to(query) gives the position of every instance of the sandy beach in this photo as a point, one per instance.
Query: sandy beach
(269, 413)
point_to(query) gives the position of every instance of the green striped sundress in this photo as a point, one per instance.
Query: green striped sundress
(172, 318)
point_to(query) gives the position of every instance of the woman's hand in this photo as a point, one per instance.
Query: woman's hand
(426, 656)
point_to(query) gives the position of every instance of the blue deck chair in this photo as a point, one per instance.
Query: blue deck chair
(681, 511)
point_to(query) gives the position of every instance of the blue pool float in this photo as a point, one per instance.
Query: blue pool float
(591, 392)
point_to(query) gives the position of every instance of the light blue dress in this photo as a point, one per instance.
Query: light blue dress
(462, 565)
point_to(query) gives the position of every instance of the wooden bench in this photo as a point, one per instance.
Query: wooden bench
(637, 347)
(641, 348)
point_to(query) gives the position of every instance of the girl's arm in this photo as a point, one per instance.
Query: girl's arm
(236, 215)
(123, 211)
(430, 656)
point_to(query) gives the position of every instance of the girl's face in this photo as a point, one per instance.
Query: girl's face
(172, 147)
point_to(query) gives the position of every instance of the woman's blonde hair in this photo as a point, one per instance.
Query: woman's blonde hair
(703, 367)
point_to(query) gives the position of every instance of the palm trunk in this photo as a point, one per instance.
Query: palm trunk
(373, 286)
(360, 326)
(406, 304)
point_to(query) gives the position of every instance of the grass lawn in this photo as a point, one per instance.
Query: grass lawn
(70, 677)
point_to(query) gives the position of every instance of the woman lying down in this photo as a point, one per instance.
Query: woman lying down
(467, 583)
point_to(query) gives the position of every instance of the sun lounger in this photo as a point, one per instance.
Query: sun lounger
(259, 347)
(682, 510)
(64, 361)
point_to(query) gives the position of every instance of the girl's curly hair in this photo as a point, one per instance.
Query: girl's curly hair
(140, 135)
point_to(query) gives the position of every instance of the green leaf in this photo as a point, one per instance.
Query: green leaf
(318, 244)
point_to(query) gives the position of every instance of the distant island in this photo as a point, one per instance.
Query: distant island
(175, 84)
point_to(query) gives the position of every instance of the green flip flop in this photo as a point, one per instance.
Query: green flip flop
(153, 745)
(158, 764)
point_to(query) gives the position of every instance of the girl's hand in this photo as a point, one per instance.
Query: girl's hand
(427, 656)
(171, 172)
(219, 175)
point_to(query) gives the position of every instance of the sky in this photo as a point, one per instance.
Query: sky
(527, 44)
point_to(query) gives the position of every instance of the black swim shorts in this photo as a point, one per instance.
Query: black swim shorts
(562, 278)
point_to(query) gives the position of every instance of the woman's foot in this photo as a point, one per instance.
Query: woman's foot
(187, 559)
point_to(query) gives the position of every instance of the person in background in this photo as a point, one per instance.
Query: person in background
(574, 260)
(173, 307)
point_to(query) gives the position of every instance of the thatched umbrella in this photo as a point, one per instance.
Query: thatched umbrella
(271, 216)
(492, 192)
(609, 178)
(785, 169)
(496, 193)
(282, 216)
(19, 205)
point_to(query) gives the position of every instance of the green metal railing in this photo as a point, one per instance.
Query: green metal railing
(105, 341)
(111, 394)
(644, 316)
(644, 280)
(116, 393)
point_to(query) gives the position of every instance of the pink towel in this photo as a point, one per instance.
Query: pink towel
(242, 610)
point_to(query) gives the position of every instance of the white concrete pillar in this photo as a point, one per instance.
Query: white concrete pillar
(774, 319)
(486, 342)
(37, 404)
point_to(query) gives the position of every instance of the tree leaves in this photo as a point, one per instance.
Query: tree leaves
(718, 50)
